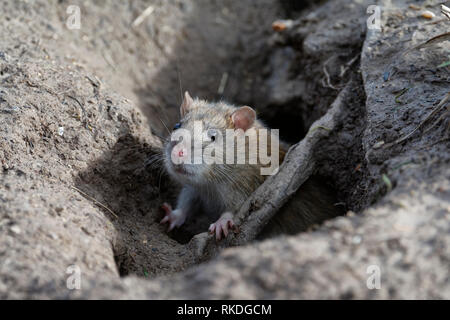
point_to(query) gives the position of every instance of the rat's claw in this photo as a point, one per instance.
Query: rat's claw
(222, 225)
(175, 218)
(165, 219)
(168, 209)
(172, 225)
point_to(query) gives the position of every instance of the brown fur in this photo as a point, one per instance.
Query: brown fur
(224, 187)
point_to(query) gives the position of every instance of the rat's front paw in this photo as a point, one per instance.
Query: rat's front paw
(222, 225)
(175, 218)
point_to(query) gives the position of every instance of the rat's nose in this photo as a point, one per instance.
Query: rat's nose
(180, 152)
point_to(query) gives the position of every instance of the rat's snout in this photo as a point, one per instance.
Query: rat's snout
(179, 154)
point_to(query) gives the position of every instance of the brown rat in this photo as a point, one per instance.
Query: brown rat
(218, 189)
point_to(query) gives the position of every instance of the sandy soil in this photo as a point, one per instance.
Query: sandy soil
(81, 112)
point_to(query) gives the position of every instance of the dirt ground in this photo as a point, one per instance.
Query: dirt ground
(82, 111)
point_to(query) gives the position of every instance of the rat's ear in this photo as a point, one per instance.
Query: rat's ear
(187, 104)
(243, 118)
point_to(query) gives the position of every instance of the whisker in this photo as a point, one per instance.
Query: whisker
(168, 131)
(179, 80)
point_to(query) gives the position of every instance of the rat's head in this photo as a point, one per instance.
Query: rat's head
(197, 143)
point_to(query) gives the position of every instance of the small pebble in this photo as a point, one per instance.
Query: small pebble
(428, 15)
(16, 229)
(357, 239)
(378, 144)
(281, 25)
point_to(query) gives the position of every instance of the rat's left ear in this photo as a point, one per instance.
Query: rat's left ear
(187, 104)
(243, 118)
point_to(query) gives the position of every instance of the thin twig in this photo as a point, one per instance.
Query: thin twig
(109, 60)
(142, 16)
(327, 77)
(438, 120)
(445, 11)
(96, 202)
(432, 114)
(437, 39)
(348, 65)
(436, 21)
(223, 83)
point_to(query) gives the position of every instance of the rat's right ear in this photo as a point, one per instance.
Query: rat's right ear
(243, 118)
(187, 104)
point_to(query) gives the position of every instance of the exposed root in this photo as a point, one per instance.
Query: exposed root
(327, 77)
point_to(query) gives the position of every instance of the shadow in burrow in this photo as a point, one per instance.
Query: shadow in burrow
(228, 61)
(130, 181)
(121, 181)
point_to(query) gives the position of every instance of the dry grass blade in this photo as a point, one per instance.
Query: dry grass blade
(445, 11)
(435, 40)
(142, 16)
(96, 202)
(438, 39)
(436, 110)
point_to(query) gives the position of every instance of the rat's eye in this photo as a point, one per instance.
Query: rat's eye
(212, 134)
(177, 126)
